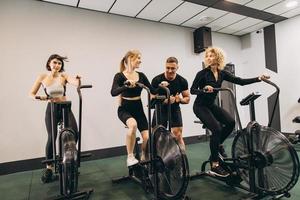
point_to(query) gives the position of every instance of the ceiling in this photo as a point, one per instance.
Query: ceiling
(235, 17)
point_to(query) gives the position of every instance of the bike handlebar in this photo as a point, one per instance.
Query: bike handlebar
(215, 89)
(271, 83)
(78, 89)
(160, 97)
(40, 98)
(276, 99)
(81, 86)
(233, 97)
(141, 85)
(85, 86)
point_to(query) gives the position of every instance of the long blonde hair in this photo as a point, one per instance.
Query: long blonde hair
(130, 54)
(220, 57)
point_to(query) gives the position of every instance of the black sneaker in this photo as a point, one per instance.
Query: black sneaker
(219, 171)
(222, 151)
(47, 176)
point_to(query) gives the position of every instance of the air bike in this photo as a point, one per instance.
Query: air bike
(67, 160)
(264, 162)
(165, 171)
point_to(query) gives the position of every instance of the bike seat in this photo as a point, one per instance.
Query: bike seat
(250, 98)
(200, 122)
(296, 119)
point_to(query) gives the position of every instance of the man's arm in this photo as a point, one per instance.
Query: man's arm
(185, 99)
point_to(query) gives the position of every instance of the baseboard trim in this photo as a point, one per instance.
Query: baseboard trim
(36, 163)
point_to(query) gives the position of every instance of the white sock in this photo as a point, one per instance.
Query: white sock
(130, 155)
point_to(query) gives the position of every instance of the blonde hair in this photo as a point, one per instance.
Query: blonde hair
(130, 54)
(220, 57)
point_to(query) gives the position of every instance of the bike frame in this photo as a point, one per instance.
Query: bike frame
(58, 158)
(249, 100)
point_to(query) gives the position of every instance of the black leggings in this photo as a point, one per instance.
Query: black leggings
(218, 121)
(57, 118)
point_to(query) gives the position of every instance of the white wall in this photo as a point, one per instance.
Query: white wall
(287, 78)
(94, 43)
(253, 65)
(288, 41)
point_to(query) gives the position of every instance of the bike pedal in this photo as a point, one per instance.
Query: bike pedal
(132, 167)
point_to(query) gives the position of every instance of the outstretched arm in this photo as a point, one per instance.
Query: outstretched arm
(240, 81)
(185, 97)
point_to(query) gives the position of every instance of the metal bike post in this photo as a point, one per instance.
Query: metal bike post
(251, 162)
(53, 135)
(153, 155)
(79, 125)
(252, 110)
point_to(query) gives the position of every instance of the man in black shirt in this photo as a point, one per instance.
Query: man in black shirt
(180, 94)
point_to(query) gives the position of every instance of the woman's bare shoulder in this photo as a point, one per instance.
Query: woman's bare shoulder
(64, 75)
(41, 77)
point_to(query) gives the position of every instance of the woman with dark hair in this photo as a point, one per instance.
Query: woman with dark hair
(54, 84)
(130, 110)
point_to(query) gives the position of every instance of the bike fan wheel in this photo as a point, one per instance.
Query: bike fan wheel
(69, 170)
(276, 161)
(69, 163)
(173, 170)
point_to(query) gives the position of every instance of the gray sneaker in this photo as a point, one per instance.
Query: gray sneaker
(218, 171)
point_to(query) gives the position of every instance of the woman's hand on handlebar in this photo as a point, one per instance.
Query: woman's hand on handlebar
(130, 83)
(208, 89)
(264, 77)
(42, 98)
(164, 84)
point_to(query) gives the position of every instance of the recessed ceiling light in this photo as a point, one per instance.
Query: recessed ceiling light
(206, 19)
(291, 4)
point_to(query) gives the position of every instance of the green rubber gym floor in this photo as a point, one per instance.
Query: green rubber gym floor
(97, 174)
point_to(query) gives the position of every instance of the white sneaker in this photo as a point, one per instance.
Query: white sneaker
(131, 160)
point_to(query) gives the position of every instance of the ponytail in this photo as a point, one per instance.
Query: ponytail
(122, 64)
(129, 54)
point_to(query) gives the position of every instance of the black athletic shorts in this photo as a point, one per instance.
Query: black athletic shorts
(134, 109)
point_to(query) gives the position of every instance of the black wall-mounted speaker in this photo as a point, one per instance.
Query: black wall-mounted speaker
(202, 39)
